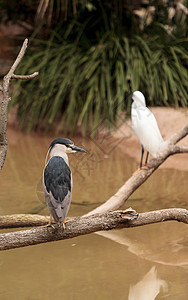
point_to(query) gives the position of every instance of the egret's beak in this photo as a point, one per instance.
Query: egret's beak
(78, 149)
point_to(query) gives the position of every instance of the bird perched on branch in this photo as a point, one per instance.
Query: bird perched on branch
(57, 179)
(145, 126)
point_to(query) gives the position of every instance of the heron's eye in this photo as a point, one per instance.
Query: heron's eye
(69, 147)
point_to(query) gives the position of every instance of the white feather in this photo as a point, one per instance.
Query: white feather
(145, 125)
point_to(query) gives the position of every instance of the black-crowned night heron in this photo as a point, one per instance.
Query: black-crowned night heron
(57, 179)
(145, 126)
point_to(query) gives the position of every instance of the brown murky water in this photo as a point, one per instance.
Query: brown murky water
(142, 263)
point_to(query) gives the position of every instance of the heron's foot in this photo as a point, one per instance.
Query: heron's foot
(69, 220)
(47, 225)
(63, 224)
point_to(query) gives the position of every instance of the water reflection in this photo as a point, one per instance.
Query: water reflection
(154, 243)
(148, 287)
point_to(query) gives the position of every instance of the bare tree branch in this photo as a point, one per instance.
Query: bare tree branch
(25, 77)
(18, 59)
(137, 179)
(22, 220)
(179, 135)
(98, 219)
(85, 225)
(178, 149)
(6, 99)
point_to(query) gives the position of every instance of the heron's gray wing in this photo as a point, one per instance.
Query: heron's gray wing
(57, 178)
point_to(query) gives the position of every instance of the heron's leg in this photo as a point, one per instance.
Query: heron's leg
(142, 154)
(50, 223)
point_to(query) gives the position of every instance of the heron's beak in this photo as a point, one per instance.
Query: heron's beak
(78, 149)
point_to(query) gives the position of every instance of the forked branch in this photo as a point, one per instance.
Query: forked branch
(136, 180)
(103, 217)
(6, 99)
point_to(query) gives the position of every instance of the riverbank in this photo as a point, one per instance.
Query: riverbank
(169, 120)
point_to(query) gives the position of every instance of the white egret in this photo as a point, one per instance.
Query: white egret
(145, 126)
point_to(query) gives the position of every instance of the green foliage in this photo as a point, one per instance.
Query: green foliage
(88, 69)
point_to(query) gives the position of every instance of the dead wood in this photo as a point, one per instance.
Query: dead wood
(103, 217)
(6, 99)
(85, 225)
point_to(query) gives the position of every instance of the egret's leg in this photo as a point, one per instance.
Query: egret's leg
(140, 168)
(146, 158)
(146, 166)
(142, 154)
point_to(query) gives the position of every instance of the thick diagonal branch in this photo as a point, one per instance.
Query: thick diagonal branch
(136, 180)
(6, 99)
(100, 218)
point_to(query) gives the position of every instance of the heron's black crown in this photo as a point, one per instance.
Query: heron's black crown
(62, 141)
